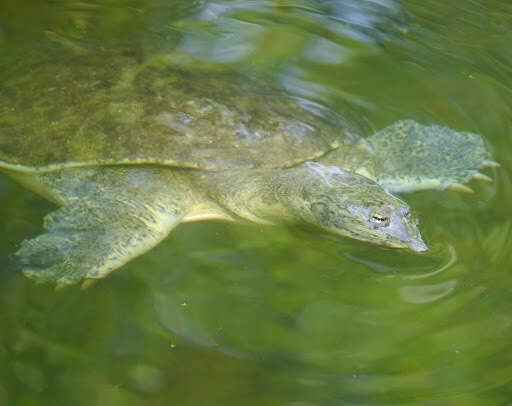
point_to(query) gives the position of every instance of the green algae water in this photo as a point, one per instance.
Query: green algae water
(227, 314)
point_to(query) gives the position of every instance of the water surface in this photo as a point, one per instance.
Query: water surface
(251, 315)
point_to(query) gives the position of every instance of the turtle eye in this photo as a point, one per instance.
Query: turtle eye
(379, 220)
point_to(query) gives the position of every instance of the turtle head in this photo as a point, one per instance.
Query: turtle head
(351, 205)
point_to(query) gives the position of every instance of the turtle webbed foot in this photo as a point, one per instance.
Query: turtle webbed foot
(87, 242)
(416, 157)
(58, 256)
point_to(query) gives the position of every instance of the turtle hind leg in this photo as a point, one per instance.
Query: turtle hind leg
(104, 223)
(412, 157)
(82, 243)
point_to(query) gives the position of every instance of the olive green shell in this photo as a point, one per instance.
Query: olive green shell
(65, 105)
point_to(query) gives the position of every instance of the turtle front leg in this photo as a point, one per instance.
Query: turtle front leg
(110, 216)
(407, 157)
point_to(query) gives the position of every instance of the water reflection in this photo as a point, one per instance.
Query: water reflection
(230, 31)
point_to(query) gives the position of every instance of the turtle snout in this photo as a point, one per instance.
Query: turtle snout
(417, 244)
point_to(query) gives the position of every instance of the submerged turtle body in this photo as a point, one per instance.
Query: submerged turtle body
(64, 108)
(131, 143)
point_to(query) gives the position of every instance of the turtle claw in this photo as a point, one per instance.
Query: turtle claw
(481, 176)
(459, 187)
(489, 163)
(88, 283)
(38, 282)
(60, 286)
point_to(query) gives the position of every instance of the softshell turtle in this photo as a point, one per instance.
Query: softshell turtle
(131, 143)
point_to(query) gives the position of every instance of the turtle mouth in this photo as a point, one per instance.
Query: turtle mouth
(417, 245)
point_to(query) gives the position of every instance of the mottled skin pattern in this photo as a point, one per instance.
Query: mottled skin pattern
(407, 157)
(121, 105)
(111, 214)
(131, 145)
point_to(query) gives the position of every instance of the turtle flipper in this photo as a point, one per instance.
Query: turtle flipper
(91, 236)
(412, 157)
